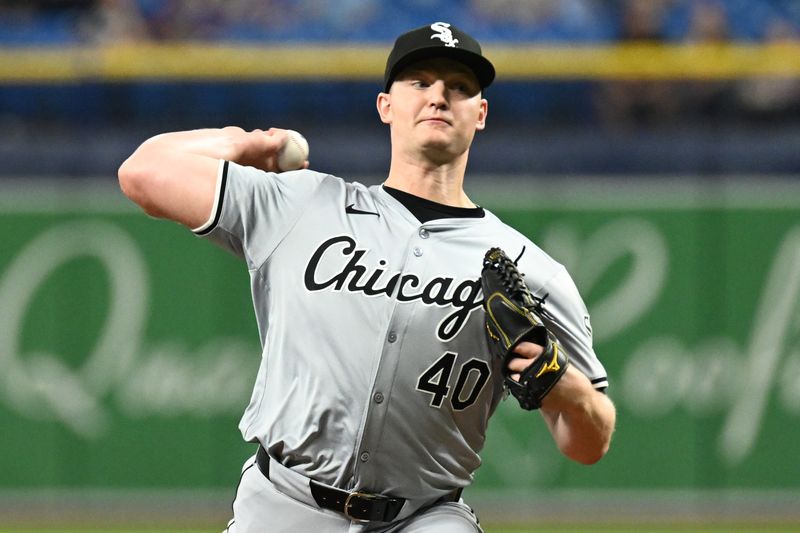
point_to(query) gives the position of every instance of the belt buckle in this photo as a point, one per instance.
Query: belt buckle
(348, 504)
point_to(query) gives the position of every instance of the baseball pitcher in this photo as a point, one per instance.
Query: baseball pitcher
(393, 318)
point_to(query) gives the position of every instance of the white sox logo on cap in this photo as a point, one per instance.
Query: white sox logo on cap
(440, 39)
(444, 34)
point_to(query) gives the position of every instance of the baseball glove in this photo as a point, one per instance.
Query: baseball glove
(513, 315)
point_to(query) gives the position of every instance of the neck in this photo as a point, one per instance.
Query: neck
(443, 184)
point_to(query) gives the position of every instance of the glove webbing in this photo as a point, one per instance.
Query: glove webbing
(513, 316)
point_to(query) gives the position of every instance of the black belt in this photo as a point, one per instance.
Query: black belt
(354, 505)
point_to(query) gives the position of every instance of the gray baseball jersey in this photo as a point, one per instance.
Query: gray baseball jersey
(375, 373)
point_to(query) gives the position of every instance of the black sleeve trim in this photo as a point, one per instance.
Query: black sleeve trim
(209, 226)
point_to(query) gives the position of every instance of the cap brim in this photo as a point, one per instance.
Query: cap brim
(479, 65)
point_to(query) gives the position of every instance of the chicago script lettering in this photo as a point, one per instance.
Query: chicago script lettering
(340, 256)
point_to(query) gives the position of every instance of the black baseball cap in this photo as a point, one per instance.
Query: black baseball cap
(439, 39)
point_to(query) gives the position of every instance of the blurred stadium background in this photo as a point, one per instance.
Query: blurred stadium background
(652, 146)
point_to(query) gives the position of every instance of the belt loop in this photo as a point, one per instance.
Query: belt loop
(262, 460)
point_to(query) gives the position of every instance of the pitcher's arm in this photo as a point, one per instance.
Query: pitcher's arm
(174, 175)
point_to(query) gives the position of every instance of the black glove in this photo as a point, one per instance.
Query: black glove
(513, 316)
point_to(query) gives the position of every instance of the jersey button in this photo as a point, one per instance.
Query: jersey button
(417, 251)
(365, 457)
(423, 233)
(378, 397)
(392, 336)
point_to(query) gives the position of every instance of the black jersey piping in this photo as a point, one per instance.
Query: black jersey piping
(218, 213)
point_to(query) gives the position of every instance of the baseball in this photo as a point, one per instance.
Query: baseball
(294, 153)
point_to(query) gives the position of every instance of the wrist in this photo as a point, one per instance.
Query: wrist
(256, 148)
(572, 393)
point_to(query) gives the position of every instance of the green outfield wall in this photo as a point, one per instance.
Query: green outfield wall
(128, 347)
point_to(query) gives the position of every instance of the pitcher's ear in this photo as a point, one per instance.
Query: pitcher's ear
(483, 114)
(384, 105)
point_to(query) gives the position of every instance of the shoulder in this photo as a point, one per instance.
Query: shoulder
(231, 168)
(539, 267)
(301, 180)
(517, 240)
(328, 181)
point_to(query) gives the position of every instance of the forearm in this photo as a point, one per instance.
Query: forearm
(580, 418)
(230, 143)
